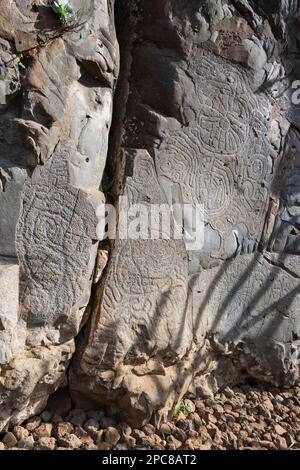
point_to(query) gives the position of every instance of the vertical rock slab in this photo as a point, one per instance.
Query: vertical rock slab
(223, 159)
(142, 326)
(207, 103)
(57, 84)
(55, 245)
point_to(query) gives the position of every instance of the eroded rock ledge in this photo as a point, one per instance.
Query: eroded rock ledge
(202, 115)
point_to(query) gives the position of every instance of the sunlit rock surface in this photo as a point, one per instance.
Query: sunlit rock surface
(203, 116)
(58, 82)
(207, 121)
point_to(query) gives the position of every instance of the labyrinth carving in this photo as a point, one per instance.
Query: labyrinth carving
(223, 160)
(146, 286)
(54, 238)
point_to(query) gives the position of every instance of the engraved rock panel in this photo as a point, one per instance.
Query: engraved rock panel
(142, 313)
(224, 161)
(54, 242)
(205, 94)
(201, 115)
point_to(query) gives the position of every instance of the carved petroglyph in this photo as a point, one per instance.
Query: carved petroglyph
(60, 90)
(145, 297)
(223, 160)
(145, 290)
(218, 143)
(54, 239)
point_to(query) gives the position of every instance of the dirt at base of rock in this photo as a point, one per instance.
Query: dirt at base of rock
(243, 418)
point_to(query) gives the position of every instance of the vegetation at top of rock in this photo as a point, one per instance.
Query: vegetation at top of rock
(63, 9)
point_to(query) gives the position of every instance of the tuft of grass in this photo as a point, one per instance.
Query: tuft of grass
(63, 10)
(181, 408)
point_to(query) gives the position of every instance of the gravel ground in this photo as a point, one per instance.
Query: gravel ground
(245, 417)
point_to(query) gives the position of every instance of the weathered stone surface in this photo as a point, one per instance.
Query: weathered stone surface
(207, 121)
(202, 117)
(9, 290)
(33, 423)
(142, 309)
(20, 432)
(10, 440)
(44, 430)
(56, 110)
(46, 443)
(112, 436)
(70, 441)
(223, 159)
(26, 443)
(55, 238)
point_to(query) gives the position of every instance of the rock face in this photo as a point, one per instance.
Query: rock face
(57, 84)
(202, 118)
(54, 243)
(207, 122)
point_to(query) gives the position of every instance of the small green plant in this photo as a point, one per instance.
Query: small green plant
(181, 408)
(63, 10)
